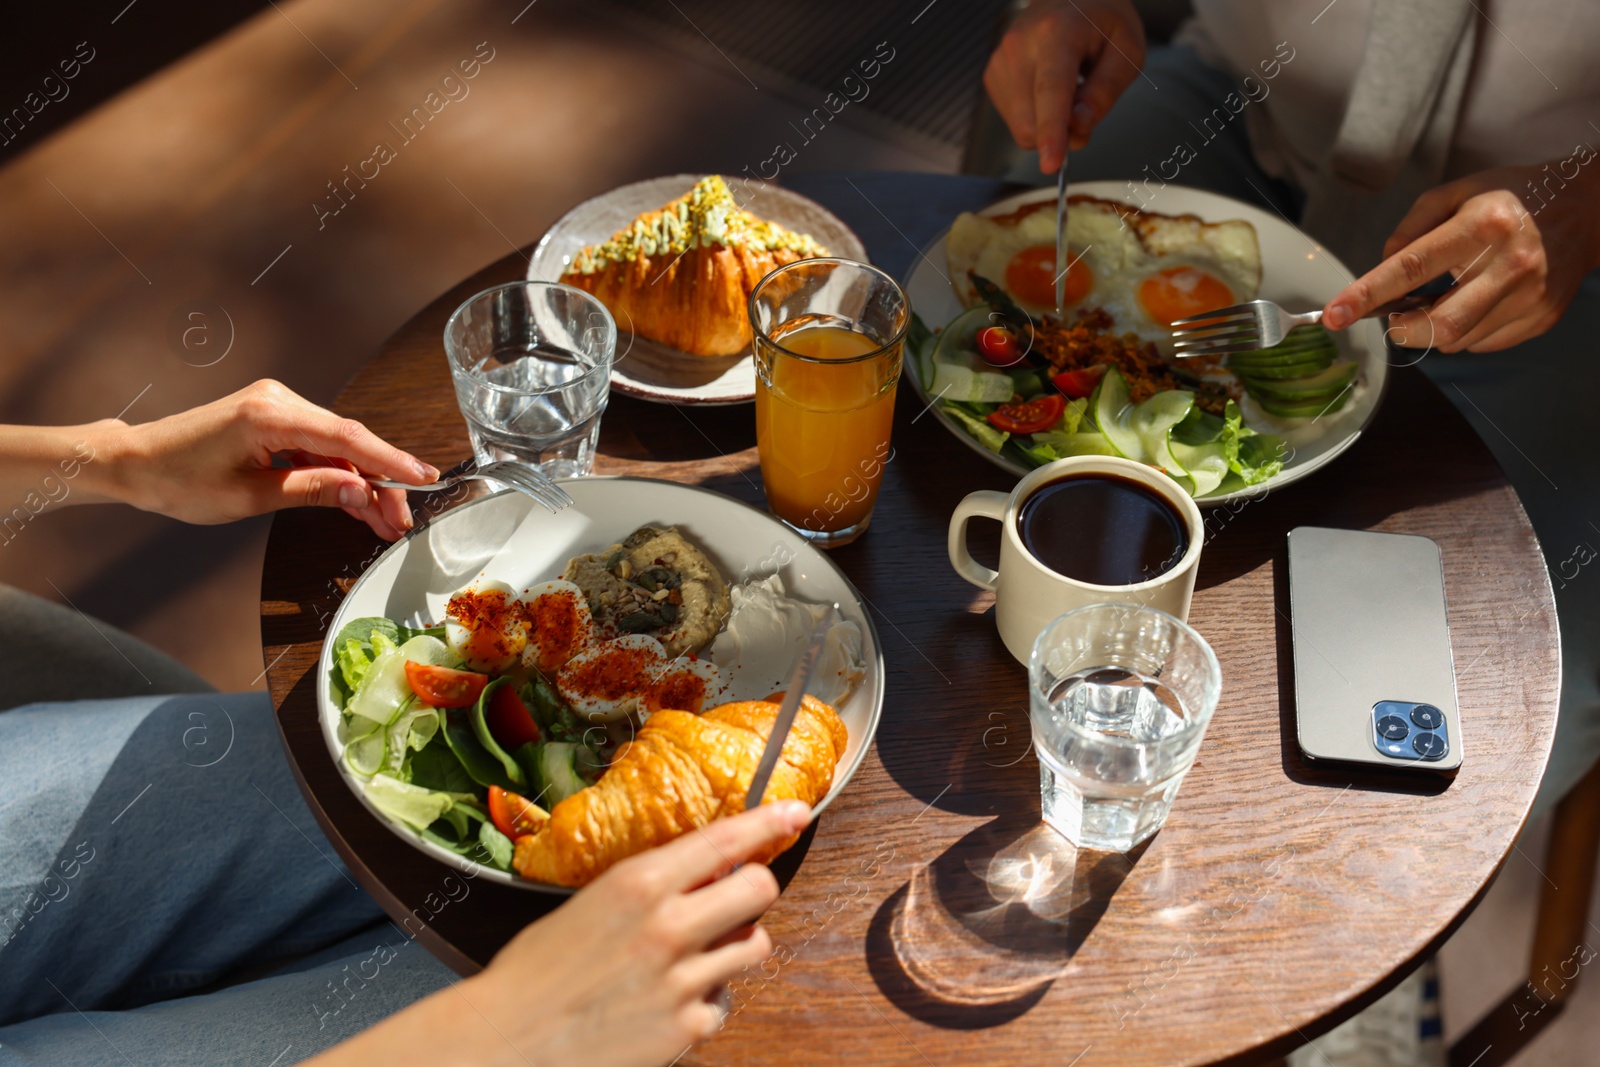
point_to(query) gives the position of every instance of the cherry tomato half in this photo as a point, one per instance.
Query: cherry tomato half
(998, 346)
(1029, 416)
(513, 815)
(444, 687)
(1079, 384)
(509, 720)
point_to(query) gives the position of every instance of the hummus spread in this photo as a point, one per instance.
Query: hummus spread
(657, 583)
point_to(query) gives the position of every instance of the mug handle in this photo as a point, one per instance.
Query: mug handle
(985, 504)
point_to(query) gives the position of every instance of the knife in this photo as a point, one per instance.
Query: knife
(1061, 235)
(789, 708)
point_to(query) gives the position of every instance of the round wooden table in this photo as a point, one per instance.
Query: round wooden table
(929, 918)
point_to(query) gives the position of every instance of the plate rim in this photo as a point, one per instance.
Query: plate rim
(330, 738)
(1102, 188)
(629, 387)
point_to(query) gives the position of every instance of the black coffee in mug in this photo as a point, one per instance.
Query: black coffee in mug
(1102, 529)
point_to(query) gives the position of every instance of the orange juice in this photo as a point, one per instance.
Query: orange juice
(822, 425)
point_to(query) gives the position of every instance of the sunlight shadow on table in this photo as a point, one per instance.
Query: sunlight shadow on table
(976, 937)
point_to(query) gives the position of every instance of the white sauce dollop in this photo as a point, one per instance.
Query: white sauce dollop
(767, 633)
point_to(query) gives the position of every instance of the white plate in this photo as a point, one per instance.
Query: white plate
(1295, 271)
(658, 372)
(509, 538)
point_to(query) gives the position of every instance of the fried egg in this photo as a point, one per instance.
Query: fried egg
(559, 625)
(1144, 269)
(486, 626)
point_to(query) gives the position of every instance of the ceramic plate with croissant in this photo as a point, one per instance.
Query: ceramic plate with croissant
(674, 260)
(541, 696)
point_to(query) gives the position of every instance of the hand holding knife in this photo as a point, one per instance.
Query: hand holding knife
(790, 707)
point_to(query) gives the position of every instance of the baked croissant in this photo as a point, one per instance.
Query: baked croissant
(682, 274)
(678, 774)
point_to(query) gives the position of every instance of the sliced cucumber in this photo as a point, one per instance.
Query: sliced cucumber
(1112, 409)
(1206, 465)
(952, 381)
(558, 772)
(1153, 421)
(958, 342)
(1325, 384)
(382, 690)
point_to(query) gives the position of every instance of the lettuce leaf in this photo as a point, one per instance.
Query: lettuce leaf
(986, 435)
(411, 804)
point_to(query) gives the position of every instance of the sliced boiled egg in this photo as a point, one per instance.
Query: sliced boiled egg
(559, 625)
(486, 626)
(682, 685)
(605, 681)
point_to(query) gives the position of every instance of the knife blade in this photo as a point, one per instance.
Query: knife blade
(1061, 234)
(790, 707)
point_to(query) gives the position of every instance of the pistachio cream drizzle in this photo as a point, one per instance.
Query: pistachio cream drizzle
(705, 216)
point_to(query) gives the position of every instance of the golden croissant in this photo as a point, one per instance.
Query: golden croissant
(678, 774)
(681, 274)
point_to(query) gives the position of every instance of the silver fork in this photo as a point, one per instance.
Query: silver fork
(1264, 324)
(518, 476)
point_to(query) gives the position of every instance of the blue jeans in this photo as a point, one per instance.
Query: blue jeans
(166, 896)
(1533, 404)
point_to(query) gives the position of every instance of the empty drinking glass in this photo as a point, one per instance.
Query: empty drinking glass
(532, 368)
(1119, 699)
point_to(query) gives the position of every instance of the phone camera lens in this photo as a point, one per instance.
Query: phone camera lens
(1427, 716)
(1392, 728)
(1428, 746)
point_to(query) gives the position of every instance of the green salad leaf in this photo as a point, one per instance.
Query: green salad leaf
(480, 729)
(986, 435)
(496, 844)
(411, 804)
(435, 766)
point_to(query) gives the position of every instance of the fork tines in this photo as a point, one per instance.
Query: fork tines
(1230, 329)
(530, 481)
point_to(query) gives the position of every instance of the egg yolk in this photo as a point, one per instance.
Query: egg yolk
(1031, 276)
(1179, 292)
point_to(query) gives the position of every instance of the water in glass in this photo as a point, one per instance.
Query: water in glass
(533, 405)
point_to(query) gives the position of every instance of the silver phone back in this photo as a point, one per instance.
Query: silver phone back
(1369, 624)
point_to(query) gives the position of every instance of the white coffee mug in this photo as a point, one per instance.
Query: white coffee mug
(1027, 594)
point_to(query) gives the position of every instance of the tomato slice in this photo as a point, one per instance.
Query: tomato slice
(1030, 416)
(1079, 384)
(998, 346)
(444, 687)
(509, 720)
(513, 815)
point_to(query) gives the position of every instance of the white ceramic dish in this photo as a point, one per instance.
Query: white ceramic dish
(1296, 272)
(509, 538)
(654, 371)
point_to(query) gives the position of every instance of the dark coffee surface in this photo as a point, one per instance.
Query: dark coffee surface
(1102, 529)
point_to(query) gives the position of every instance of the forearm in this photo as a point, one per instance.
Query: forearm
(442, 1030)
(42, 466)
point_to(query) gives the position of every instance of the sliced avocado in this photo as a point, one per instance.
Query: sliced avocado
(1284, 353)
(1288, 370)
(1301, 409)
(1325, 384)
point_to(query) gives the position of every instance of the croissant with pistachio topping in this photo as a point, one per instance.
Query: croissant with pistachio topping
(682, 274)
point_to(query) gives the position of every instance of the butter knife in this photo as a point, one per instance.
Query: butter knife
(789, 708)
(1062, 260)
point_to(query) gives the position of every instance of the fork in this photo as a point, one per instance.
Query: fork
(1263, 324)
(519, 476)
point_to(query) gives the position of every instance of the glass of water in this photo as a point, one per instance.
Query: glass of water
(1119, 699)
(532, 368)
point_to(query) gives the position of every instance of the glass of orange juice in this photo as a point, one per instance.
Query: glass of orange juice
(828, 340)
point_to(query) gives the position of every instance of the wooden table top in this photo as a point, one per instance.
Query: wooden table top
(930, 919)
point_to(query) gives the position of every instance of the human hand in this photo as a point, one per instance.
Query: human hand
(1033, 75)
(214, 463)
(625, 974)
(1517, 258)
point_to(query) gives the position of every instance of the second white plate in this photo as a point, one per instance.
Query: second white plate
(1296, 272)
(652, 371)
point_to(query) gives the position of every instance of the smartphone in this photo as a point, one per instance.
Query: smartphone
(1374, 678)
